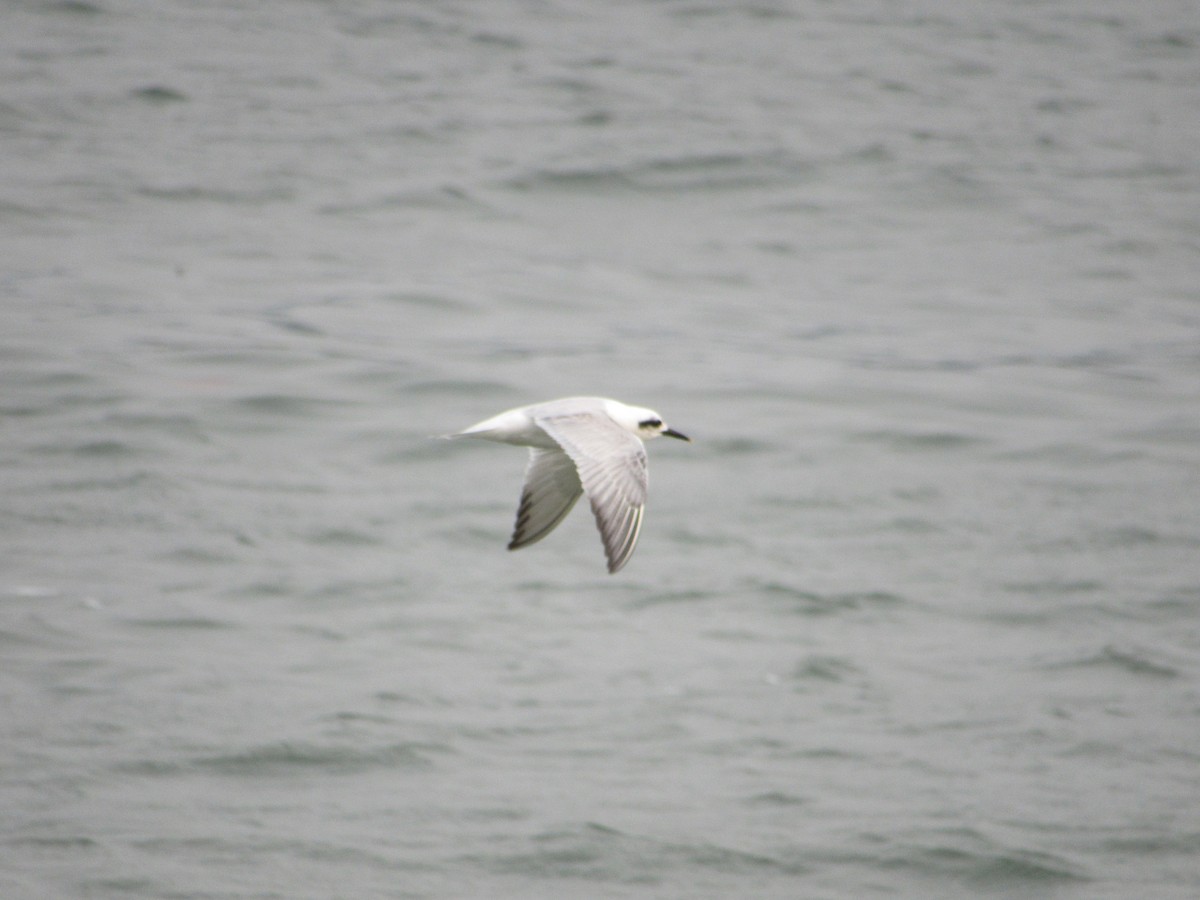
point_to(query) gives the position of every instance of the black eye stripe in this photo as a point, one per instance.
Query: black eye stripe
(650, 423)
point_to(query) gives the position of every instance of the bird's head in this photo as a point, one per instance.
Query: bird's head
(645, 423)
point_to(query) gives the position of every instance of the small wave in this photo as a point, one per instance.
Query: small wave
(243, 848)
(347, 537)
(1002, 868)
(281, 404)
(458, 388)
(1054, 587)
(1165, 842)
(809, 602)
(57, 842)
(138, 479)
(687, 172)
(195, 555)
(776, 799)
(1133, 662)
(974, 859)
(598, 852)
(194, 193)
(663, 598)
(101, 448)
(919, 441)
(738, 446)
(159, 94)
(1137, 535)
(183, 623)
(75, 8)
(285, 757)
(825, 668)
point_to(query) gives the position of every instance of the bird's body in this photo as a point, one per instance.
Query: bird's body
(580, 445)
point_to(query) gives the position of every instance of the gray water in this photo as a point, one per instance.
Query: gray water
(916, 615)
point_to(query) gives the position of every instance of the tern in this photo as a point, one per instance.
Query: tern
(580, 445)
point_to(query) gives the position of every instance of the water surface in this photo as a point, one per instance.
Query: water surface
(917, 614)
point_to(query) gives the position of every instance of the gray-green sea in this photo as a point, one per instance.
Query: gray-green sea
(917, 613)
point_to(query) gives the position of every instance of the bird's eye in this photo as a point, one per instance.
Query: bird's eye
(651, 423)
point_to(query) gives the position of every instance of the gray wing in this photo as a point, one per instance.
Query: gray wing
(551, 489)
(612, 469)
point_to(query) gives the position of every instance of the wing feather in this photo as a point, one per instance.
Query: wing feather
(611, 466)
(551, 488)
